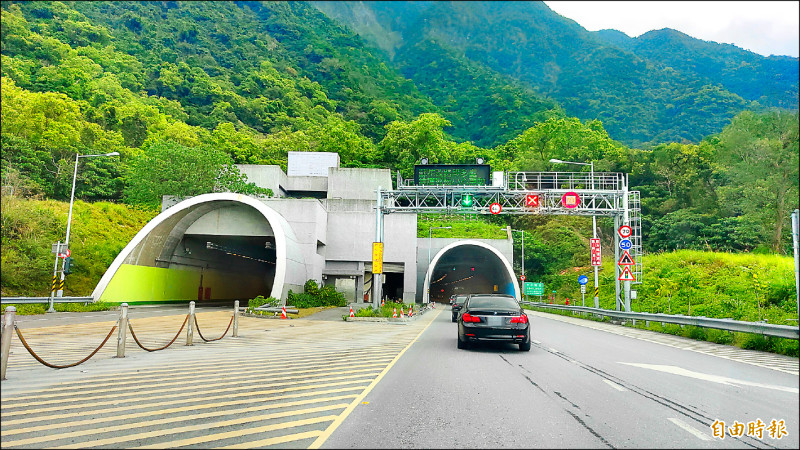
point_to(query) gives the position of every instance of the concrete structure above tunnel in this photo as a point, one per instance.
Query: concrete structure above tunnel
(231, 246)
(466, 266)
(318, 225)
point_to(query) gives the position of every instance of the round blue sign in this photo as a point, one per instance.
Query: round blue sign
(583, 279)
(625, 244)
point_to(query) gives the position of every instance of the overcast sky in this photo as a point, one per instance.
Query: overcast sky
(763, 27)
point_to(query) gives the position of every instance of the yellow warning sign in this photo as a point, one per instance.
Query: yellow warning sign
(377, 257)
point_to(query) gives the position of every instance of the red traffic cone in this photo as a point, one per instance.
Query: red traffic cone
(381, 302)
(394, 313)
(283, 312)
(401, 312)
(433, 305)
(410, 311)
(351, 311)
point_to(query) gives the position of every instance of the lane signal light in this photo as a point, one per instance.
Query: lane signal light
(467, 200)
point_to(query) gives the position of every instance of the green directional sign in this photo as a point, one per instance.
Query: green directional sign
(532, 288)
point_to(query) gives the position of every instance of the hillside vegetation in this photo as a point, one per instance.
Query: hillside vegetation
(184, 91)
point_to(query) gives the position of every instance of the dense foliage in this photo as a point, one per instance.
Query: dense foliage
(657, 88)
(184, 91)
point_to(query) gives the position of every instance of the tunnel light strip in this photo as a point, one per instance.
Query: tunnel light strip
(457, 281)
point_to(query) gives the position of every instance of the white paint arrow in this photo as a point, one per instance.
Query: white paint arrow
(712, 378)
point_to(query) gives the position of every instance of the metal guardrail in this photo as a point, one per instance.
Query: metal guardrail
(768, 329)
(30, 300)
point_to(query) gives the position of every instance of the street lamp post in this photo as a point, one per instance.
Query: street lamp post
(430, 273)
(78, 156)
(594, 218)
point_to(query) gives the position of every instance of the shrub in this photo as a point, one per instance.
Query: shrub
(254, 303)
(315, 296)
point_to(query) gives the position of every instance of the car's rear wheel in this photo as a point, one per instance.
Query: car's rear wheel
(453, 317)
(525, 346)
(461, 344)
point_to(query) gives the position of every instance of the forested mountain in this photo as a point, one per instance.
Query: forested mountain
(186, 90)
(661, 87)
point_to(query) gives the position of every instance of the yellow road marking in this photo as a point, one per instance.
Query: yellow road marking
(215, 368)
(180, 400)
(168, 431)
(109, 417)
(278, 381)
(237, 433)
(183, 381)
(275, 440)
(332, 427)
(161, 412)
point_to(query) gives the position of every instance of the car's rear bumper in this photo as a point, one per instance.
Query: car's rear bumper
(473, 334)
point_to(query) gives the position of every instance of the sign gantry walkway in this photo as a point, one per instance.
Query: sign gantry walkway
(602, 194)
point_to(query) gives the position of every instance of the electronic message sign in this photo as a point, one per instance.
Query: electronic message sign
(452, 175)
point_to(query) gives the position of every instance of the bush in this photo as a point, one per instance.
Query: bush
(315, 296)
(254, 303)
(29, 309)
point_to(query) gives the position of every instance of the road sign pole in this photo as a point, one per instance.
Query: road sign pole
(616, 266)
(795, 230)
(626, 220)
(377, 288)
(594, 234)
(50, 308)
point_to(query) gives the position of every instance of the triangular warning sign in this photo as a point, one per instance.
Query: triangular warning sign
(626, 259)
(626, 274)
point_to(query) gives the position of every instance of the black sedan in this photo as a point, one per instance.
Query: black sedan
(493, 318)
(458, 303)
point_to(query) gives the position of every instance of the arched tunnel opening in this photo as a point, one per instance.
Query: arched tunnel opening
(232, 267)
(469, 269)
(211, 249)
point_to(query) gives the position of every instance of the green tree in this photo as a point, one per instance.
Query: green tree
(760, 153)
(169, 168)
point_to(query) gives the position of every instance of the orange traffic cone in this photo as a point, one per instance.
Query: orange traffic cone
(381, 302)
(410, 311)
(401, 312)
(351, 311)
(433, 305)
(283, 312)
(394, 313)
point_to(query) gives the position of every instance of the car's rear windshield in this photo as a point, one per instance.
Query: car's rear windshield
(493, 302)
(460, 298)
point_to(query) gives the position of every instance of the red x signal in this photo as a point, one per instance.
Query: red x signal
(532, 200)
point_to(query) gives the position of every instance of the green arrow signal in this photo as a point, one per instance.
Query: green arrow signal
(466, 200)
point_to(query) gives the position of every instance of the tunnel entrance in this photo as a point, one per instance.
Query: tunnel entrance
(213, 247)
(469, 268)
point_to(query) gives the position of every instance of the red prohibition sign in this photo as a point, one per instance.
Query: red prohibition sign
(625, 231)
(495, 208)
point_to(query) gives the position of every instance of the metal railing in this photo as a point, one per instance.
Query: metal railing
(767, 329)
(32, 300)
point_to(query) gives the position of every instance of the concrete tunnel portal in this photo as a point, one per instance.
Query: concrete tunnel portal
(469, 267)
(211, 247)
(224, 246)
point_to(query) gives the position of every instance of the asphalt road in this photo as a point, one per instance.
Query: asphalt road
(320, 381)
(577, 388)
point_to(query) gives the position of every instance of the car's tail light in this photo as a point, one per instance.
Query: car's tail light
(467, 318)
(520, 319)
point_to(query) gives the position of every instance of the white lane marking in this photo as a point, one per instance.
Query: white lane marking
(536, 342)
(614, 385)
(713, 378)
(553, 350)
(689, 428)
